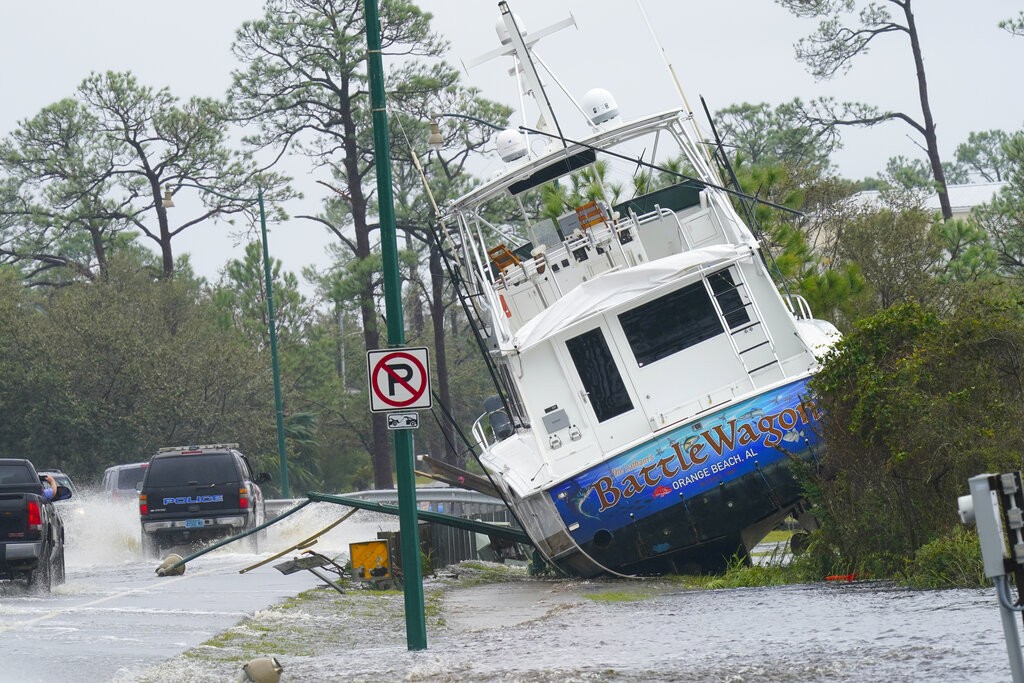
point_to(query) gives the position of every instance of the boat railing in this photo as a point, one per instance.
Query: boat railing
(480, 434)
(798, 306)
(606, 235)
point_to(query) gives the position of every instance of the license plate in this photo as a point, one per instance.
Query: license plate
(194, 523)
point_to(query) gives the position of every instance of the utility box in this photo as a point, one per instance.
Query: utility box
(370, 561)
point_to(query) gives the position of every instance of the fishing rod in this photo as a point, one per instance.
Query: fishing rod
(723, 159)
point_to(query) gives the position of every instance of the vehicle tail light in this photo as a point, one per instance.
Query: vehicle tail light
(243, 497)
(143, 506)
(35, 518)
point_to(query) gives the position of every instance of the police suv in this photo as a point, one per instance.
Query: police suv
(194, 494)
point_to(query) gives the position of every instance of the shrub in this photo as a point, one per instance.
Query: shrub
(951, 561)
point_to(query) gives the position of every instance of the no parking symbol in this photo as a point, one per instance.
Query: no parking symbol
(399, 379)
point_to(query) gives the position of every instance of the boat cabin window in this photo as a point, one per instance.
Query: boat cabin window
(601, 379)
(671, 323)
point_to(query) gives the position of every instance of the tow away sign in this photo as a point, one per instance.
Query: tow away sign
(399, 379)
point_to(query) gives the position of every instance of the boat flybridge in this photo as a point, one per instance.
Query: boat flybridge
(652, 376)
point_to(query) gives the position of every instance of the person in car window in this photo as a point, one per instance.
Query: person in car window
(49, 488)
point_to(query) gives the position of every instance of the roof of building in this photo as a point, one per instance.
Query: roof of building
(962, 198)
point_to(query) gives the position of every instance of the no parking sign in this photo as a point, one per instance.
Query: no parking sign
(399, 379)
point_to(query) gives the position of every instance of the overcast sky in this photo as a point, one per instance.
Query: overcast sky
(727, 51)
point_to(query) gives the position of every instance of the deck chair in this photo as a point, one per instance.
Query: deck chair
(502, 258)
(590, 214)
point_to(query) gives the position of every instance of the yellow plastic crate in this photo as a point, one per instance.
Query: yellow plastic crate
(370, 560)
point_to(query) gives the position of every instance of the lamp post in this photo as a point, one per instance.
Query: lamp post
(271, 322)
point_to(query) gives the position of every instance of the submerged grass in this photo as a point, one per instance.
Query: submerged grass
(618, 596)
(319, 622)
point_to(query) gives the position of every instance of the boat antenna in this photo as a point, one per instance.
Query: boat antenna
(672, 75)
(723, 161)
(529, 69)
(668, 171)
(518, 47)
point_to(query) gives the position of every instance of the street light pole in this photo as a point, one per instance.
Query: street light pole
(274, 364)
(271, 323)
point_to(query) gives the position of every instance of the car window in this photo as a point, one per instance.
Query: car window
(129, 477)
(15, 474)
(61, 479)
(203, 469)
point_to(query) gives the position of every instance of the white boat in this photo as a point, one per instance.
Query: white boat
(652, 377)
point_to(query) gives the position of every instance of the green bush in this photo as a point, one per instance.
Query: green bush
(951, 561)
(915, 401)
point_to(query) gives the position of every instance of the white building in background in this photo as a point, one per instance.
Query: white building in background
(962, 198)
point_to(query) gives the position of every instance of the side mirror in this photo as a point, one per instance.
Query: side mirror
(263, 477)
(62, 493)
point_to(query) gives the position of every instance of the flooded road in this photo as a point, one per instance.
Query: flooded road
(114, 620)
(851, 632)
(114, 615)
(566, 631)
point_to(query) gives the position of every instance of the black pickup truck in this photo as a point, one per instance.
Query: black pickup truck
(31, 530)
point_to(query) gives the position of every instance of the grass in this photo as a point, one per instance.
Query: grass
(320, 621)
(617, 596)
(777, 536)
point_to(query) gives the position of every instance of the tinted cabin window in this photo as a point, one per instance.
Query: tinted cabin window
(600, 377)
(671, 323)
(16, 474)
(203, 469)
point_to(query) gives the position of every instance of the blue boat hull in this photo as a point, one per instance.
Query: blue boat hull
(681, 502)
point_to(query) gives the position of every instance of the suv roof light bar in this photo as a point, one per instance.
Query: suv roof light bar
(198, 446)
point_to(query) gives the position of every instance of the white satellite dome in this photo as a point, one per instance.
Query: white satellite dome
(600, 105)
(503, 36)
(511, 145)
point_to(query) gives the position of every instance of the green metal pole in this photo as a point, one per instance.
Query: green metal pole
(275, 366)
(412, 581)
(278, 408)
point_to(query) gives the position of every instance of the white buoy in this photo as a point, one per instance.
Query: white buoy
(261, 670)
(165, 567)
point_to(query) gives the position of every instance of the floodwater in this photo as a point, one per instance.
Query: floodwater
(551, 631)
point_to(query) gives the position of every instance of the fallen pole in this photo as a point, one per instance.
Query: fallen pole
(484, 528)
(234, 538)
(303, 544)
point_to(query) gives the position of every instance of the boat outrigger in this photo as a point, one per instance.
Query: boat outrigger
(652, 377)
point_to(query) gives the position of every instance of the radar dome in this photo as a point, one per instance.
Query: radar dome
(511, 144)
(600, 105)
(503, 36)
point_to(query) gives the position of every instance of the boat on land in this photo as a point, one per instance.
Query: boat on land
(652, 378)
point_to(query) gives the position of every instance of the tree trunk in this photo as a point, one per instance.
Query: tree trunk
(380, 455)
(931, 139)
(437, 308)
(415, 303)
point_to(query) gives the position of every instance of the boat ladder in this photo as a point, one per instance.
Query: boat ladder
(749, 337)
